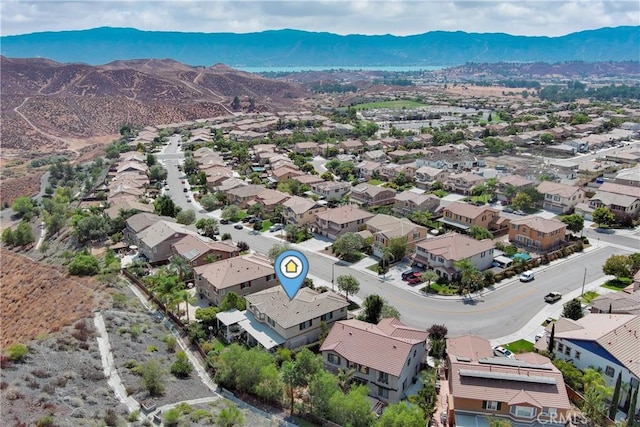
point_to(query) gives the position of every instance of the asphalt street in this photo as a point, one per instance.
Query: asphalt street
(491, 314)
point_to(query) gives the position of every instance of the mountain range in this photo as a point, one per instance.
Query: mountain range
(279, 48)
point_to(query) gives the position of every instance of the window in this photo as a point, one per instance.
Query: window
(609, 371)
(577, 355)
(560, 347)
(270, 321)
(333, 359)
(245, 285)
(550, 412)
(491, 405)
(383, 392)
(634, 382)
(383, 377)
(523, 411)
(305, 325)
(567, 351)
(326, 316)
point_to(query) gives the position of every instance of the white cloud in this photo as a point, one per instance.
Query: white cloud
(401, 17)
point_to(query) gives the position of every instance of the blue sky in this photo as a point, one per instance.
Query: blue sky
(399, 17)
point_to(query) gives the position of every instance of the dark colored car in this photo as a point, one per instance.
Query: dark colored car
(407, 273)
(507, 210)
(238, 226)
(224, 221)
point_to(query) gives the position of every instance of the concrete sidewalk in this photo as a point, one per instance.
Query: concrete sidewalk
(534, 326)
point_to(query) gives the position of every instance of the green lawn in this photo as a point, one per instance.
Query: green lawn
(373, 267)
(390, 104)
(374, 182)
(520, 346)
(483, 199)
(589, 296)
(617, 284)
(242, 215)
(436, 288)
(266, 224)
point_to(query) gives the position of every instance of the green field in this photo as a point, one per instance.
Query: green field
(520, 346)
(390, 104)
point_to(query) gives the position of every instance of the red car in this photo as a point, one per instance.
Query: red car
(414, 280)
(412, 275)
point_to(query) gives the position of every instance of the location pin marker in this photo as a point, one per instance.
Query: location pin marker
(291, 269)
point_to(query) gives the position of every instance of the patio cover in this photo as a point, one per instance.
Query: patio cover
(454, 224)
(523, 256)
(267, 337)
(231, 317)
(503, 260)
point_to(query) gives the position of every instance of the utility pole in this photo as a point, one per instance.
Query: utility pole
(333, 275)
(584, 278)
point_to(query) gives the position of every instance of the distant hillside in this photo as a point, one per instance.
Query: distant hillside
(45, 103)
(301, 48)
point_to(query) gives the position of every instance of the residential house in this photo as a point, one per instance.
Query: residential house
(285, 172)
(386, 357)
(514, 182)
(344, 219)
(243, 275)
(367, 195)
(526, 391)
(229, 184)
(154, 242)
(476, 146)
(426, 176)
(630, 177)
(273, 319)
(462, 216)
(621, 302)
(135, 224)
(384, 228)
(301, 211)
(126, 203)
(538, 234)
(619, 204)
(560, 198)
(307, 147)
(463, 183)
(308, 180)
(269, 199)
(199, 250)
(217, 174)
(366, 169)
(375, 156)
(331, 190)
(442, 252)
(132, 166)
(242, 196)
(351, 146)
(607, 342)
(407, 202)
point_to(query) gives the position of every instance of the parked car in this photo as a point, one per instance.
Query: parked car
(249, 218)
(185, 189)
(224, 221)
(413, 275)
(507, 209)
(276, 227)
(414, 280)
(407, 274)
(519, 212)
(188, 199)
(527, 276)
(552, 297)
(503, 352)
(238, 226)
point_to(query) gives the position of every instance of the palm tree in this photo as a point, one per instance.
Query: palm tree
(429, 276)
(181, 267)
(344, 377)
(291, 379)
(469, 276)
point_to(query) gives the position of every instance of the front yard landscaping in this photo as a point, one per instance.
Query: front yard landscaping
(617, 284)
(520, 346)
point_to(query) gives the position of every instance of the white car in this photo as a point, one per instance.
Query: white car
(276, 227)
(503, 352)
(527, 276)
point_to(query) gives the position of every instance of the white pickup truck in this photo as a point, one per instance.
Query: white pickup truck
(552, 297)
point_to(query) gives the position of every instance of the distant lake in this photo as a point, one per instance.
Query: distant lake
(335, 68)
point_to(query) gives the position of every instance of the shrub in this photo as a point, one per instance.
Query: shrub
(242, 246)
(171, 417)
(489, 278)
(131, 363)
(17, 352)
(111, 418)
(46, 421)
(181, 368)
(171, 342)
(151, 348)
(199, 414)
(84, 265)
(133, 416)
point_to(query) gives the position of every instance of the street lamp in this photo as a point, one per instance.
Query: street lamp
(584, 278)
(333, 275)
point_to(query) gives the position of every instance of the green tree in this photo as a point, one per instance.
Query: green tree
(23, 234)
(231, 212)
(8, 237)
(291, 380)
(230, 416)
(631, 413)
(389, 311)
(618, 265)
(372, 306)
(152, 377)
(615, 399)
(165, 206)
(551, 343)
(323, 385)
(157, 173)
(186, 217)
(256, 210)
(522, 201)
(181, 368)
(84, 264)
(17, 352)
(348, 245)
(546, 138)
(209, 202)
(270, 386)
(603, 216)
(469, 276)
(480, 233)
(171, 417)
(593, 406)
(277, 249)
(181, 267)
(207, 316)
(348, 285)
(575, 222)
(207, 226)
(233, 301)
(401, 415)
(165, 285)
(92, 228)
(151, 159)
(308, 365)
(398, 247)
(235, 103)
(327, 176)
(352, 409)
(429, 276)
(23, 206)
(573, 310)
(499, 422)
(190, 166)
